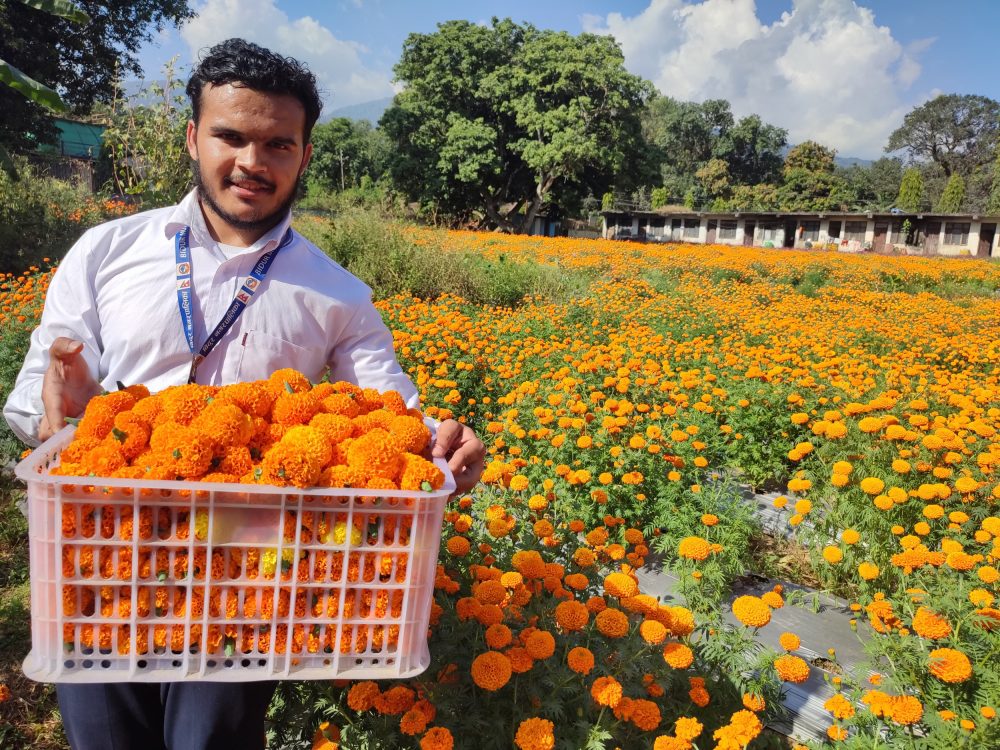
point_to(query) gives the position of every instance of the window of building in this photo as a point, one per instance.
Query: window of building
(855, 230)
(769, 231)
(834, 231)
(727, 230)
(691, 227)
(956, 233)
(810, 230)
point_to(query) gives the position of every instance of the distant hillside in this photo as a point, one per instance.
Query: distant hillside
(850, 161)
(370, 111)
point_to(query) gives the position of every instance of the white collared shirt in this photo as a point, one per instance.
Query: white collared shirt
(116, 292)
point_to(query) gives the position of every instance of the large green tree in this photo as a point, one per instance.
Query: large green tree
(79, 62)
(496, 121)
(953, 198)
(345, 151)
(684, 137)
(956, 132)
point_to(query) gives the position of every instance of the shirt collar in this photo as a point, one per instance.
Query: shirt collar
(188, 213)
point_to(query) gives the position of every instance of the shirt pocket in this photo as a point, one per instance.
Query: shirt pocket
(261, 354)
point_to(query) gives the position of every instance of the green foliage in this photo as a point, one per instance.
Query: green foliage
(911, 190)
(811, 157)
(956, 132)
(381, 255)
(81, 65)
(41, 217)
(146, 141)
(659, 197)
(806, 190)
(496, 121)
(953, 197)
(347, 153)
(607, 201)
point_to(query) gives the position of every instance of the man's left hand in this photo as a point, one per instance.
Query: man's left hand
(465, 452)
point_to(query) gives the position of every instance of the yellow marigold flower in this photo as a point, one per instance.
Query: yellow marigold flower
(535, 734)
(606, 691)
(850, 536)
(988, 574)
(868, 571)
(752, 611)
(791, 668)
(678, 655)
(870, 424)
(580, 660)
(693, 548)
(612, 623)
(491, 671)
(799, 418)
(842, 467)
(772, 599)
(789, 641)
(518, 482)
(832, 555)
(839, 706)
(950, 665)
(872, 485)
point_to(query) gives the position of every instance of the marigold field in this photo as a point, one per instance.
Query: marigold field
(620, 426)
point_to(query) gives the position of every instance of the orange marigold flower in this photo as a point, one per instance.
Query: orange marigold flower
(362, 695)
(437, 738)
(498, 636)
(491, 671)
(327, 737)
(678, 655)
(791, 668)
(414, 722)
(839, 706)
(789, 641)
(535, 734)
(572, 615)
(620, 585)
(752, 611)
(395, 701)
(653, 632)
(612, 623)
(541, 644)
(929, 624)
(688, 728)
(606, 691)
(529, 563)
(755, 703)
(580, 660)
(950, 665)
(645, 714)
(458, 546)
(906, 709)
(693, 548)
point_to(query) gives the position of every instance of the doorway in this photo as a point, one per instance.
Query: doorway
(986, 235)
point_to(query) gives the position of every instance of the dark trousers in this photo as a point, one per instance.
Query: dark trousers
(165, 716)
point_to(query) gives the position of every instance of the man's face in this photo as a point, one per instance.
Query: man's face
(249, 154)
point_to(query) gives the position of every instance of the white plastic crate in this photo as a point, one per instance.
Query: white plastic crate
(162, 581)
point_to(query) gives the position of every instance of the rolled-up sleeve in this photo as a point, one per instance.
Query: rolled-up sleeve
(70, 310)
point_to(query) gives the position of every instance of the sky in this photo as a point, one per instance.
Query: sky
(841, 72)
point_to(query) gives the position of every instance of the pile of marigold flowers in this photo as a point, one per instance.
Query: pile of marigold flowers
(165, 575)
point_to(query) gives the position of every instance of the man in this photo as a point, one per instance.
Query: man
(134, 300)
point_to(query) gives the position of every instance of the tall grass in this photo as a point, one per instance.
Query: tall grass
(377, 250)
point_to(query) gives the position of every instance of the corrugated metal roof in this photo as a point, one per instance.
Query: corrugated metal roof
(78, 139)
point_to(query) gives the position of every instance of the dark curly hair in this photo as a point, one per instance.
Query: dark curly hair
(243, 62)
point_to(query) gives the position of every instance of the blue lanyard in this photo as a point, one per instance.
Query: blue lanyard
(182, 253)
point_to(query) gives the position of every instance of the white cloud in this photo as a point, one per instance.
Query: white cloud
(824, 71)
(343, 76)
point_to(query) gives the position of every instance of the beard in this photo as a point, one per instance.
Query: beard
(257, 221)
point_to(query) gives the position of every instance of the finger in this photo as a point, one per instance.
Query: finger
(447, 434)
(63, 348)
(466, 454)
(468, 478)
(44, 431)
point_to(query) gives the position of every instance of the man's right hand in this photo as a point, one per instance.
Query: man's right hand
(67, 386)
